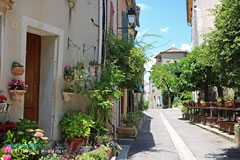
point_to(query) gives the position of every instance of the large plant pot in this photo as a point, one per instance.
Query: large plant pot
(127, 132)
(67, 96)
(74, 143)
(16, 95)
(17, 71)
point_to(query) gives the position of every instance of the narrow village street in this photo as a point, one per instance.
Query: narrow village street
(155, 142)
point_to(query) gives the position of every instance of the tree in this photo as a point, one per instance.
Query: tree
(163, 79)
(223, 43)
(194, 72)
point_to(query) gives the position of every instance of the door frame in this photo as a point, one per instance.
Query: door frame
(39, 28)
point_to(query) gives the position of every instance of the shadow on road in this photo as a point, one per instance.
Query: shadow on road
(227, 154)
(144, 140)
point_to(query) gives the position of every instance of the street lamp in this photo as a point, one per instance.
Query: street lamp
(131, 16)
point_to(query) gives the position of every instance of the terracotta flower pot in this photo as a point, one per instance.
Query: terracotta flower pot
(17, 71)
(204, 104)
(229, 104)
(67, 96)
(16, 95)
(219, 104)
(74, 143)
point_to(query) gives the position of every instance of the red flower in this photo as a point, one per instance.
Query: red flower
(1, 134)
(82, 66)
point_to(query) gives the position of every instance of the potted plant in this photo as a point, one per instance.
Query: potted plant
(17, 69)
(204, 104)
(230, 102)
(219, 101)
(75, 126)
(68, 73)
(16, 89)
(68, 94)
(94, 68)
(86, 146)
(184, 111)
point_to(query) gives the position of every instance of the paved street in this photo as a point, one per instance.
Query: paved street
(165, 136)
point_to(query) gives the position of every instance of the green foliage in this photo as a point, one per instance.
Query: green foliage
(228, 98)
(75, 124)
(70, 89)
(184, 110)
(105, 91)
(162, 77)
(132, 117)
(176, 102)
(223, 43)
(143, 104)
(51, 157)
(98, 154)
(219, 99)
(186, 97)
(129, 57)
(16, 64)
(25, 141)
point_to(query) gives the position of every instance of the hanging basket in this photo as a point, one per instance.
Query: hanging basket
(16, 95)
(67, 96)
(17, 71)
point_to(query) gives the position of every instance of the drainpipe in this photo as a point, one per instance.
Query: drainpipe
(100, 31)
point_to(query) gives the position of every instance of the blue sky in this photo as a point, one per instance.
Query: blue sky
(167, 18)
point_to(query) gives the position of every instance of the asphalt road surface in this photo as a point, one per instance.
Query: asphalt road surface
(166, 136)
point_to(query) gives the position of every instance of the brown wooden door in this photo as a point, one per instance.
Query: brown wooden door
(32, 78)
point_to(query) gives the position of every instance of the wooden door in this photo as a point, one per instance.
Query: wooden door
(32, 77)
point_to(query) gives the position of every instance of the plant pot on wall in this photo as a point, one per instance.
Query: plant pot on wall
(17, 71)
(16, 95)
(67, 96)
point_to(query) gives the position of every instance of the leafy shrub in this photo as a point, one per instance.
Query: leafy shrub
(98, 154)
(75, 124)
(184, 110)
(16, 64)
(132, 117)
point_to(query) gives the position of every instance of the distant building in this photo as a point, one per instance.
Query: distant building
(167, 56)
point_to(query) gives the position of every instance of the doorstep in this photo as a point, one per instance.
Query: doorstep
(215, 130)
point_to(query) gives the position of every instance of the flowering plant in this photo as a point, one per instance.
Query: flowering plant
(67, 69)
(17, 85)
(105, 140)
(2, 98)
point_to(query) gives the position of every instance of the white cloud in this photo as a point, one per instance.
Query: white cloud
(185, 47)
(164, 29)
(143, 6)
(148, 67)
